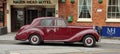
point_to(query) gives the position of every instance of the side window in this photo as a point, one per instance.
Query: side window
(46, 22)
(60, 23)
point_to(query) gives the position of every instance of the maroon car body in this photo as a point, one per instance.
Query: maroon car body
(56, 29)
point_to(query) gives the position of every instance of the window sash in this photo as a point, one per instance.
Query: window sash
(113, 9)
(85, 10)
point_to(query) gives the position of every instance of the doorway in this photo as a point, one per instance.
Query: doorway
(25, 15)
(30, 15)
(17, 19)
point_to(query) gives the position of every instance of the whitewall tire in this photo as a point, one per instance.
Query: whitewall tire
(35, 40)
(89, 41)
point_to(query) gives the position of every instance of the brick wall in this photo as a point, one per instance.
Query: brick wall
(1, 24)
(66, 9)
(5, 20)
(98, 18)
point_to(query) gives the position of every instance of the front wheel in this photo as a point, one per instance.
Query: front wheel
(89, 41)
(35, 40)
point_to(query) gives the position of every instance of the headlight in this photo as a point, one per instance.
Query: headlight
(94, 27)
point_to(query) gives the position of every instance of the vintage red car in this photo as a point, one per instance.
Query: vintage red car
(51, 29)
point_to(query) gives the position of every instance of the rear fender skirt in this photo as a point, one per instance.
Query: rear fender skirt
(36, 31)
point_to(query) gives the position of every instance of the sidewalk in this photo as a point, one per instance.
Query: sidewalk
(11, 36)
(111, 41)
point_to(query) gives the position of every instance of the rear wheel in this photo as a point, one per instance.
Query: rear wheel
(35, 39)
(89, 41)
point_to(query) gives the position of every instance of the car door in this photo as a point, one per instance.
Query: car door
(47, 28)
(61, 30)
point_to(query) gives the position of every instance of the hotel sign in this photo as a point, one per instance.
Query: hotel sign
(110, 31)
(32, 1)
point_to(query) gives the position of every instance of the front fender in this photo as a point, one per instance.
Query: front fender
(89, 32)
(79, 36)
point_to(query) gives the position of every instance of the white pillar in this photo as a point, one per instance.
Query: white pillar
(56, 9)
(8, 18)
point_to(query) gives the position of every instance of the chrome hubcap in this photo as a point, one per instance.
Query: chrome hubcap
(34, 39)
(89, 41)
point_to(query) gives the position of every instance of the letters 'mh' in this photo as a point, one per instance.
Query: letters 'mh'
(111, 31)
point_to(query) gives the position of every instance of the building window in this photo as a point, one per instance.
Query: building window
(1, 16)
(85, 10)
(113, 10)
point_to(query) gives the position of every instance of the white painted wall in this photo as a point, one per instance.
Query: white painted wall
(56, 9)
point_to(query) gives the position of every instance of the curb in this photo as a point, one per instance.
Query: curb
(110, 41)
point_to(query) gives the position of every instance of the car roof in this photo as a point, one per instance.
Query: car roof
(39, 18)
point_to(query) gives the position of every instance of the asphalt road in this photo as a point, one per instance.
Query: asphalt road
(8, 46)
(99, 45)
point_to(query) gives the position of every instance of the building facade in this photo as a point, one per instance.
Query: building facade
(92, 12)
(78, 12)
(22, 12)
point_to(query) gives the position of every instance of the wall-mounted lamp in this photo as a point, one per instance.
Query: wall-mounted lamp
(100, 1)
(40, 1)
(63, 1)
(72, 1)
(16, 1)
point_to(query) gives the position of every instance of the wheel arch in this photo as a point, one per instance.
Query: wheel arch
(35, 31)
(88, 34)
(92, 42)
(35, 34)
